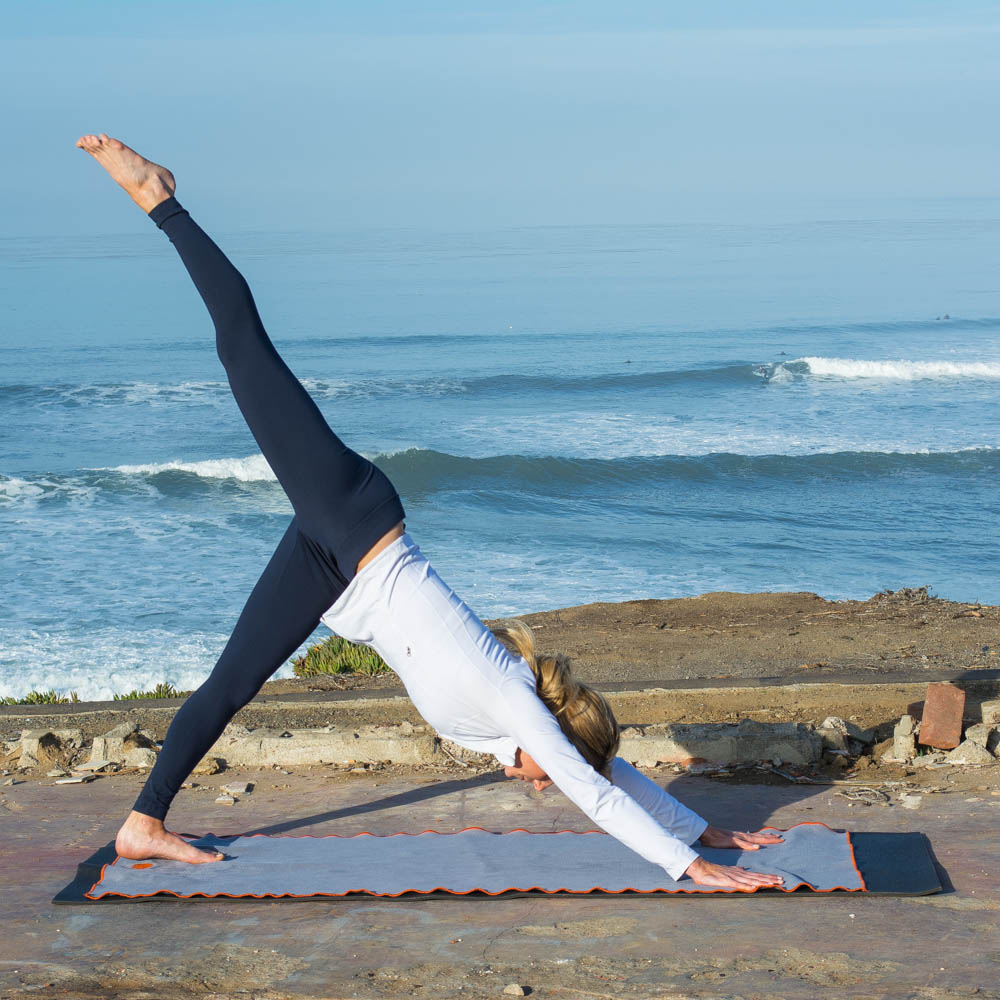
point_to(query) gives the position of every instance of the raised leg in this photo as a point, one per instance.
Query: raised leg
(340, 498)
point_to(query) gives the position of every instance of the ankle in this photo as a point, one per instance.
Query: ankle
(154, 192)
(140, 822)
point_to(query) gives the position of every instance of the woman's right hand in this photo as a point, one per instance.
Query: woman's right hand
(729, 877)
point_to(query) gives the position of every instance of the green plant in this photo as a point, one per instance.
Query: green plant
(338, 656)
(42, 698)
(160, 691)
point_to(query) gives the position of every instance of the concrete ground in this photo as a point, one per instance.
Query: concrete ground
(559, 946)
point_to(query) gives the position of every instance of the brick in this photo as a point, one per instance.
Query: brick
(941, 723)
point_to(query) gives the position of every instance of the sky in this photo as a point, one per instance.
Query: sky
(308, 115)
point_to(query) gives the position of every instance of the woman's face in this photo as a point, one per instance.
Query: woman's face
(527, 770)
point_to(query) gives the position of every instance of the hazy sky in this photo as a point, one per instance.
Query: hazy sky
(321, 115)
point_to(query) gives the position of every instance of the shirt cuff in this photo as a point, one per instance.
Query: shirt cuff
(704, 826)
(676, 869)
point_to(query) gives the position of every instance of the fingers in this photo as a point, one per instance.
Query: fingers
(754, 841)
(731, 877)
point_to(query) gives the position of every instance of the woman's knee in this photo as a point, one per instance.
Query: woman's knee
(227, 692)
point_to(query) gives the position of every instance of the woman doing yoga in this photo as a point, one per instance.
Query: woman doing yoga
(347, 560)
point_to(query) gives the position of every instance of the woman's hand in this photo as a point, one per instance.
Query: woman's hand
(714, 837)
(728, 877)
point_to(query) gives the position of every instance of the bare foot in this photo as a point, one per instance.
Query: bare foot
(147, 183)
(143, 837)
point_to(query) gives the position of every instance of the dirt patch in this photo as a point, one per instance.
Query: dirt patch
(831, 968)
(760, 635)
(609, 927)
(216, 968)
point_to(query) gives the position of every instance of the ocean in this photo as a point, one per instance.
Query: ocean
(571, 414)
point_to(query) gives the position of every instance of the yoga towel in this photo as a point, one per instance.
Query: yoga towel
(472, 860)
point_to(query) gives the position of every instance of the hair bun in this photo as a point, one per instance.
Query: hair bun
(583, 714)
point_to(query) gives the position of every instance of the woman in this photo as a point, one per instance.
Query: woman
(347, 560)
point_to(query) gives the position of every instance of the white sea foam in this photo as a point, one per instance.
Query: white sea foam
(100, 663)
(13, 490)
(252, 469)
(902, 370)
(131, 393)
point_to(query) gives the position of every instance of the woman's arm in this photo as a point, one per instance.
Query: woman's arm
(682, 822)
(612, 807)
(536, 730)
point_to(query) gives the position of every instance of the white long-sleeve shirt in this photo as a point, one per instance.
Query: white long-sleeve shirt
(473, 691)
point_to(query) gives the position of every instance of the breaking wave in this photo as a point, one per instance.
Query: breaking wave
(899, 370)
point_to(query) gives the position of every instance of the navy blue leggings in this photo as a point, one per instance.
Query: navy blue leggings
(343, 505)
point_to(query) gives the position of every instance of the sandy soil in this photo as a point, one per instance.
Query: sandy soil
(797, 637)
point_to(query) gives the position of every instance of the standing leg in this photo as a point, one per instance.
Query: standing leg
(284, 607)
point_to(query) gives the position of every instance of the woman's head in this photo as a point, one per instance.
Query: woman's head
(584, 715)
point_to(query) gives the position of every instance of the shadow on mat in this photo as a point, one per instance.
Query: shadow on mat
(389, 802)
(730, 806)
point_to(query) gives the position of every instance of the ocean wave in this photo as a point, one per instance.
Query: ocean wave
(849, 368)
(418, 471)
(13, 489)
(149, 394)
(731, 374)
(252, 469)
(114, 393)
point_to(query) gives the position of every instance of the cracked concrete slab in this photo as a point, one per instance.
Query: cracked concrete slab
(567, 947)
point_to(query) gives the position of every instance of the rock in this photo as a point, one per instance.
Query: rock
(984, 735)
(238, 788)
(106, 748)
(833, 732)
(47, 747)
(76, 779)
(745, 742)
(57, 772)
(991, 713)
(122, 731)
(117, 743)
(12, 781)
(515, 990)
(910, 801)
(99, 765)
(225, 800)
(970, 753)
(904, 742)
(209, 765)
(140, 757)
(941, 721)
(931, 759)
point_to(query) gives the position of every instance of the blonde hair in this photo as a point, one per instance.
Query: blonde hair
(583, 714)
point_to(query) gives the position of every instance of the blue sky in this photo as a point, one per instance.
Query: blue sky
(308, 115)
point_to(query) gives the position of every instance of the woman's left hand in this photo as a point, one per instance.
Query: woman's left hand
(714, 837)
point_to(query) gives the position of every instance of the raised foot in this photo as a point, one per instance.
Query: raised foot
(143, 838)
(147, 183)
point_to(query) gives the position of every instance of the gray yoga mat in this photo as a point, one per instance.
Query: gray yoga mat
(473, 860)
